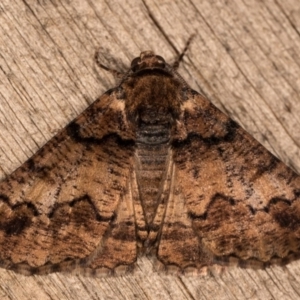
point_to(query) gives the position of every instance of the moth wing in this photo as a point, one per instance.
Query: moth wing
(63, 208)
(230, 200)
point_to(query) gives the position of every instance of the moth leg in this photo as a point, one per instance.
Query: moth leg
(115, 73)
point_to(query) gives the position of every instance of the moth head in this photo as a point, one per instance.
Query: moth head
(147, 60)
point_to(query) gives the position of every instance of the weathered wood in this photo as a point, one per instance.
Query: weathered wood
(245, 58)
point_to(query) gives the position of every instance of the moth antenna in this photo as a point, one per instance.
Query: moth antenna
(181, 55)
(114, 72)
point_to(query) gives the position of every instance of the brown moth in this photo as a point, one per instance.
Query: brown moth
(151, 167)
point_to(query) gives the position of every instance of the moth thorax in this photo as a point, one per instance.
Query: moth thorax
(153, 115)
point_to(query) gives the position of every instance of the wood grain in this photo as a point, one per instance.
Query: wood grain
(245, 58)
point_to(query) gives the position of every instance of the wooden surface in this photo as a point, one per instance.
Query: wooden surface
(245, 58)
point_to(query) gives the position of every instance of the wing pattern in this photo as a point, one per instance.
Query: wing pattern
(232, 200)
(67, 203)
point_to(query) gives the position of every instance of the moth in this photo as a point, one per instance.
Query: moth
(150, 168)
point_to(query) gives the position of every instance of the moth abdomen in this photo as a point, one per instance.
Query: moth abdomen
(151, 159)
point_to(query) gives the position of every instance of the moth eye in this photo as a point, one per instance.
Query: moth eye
(135, 62)
(160, 59)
